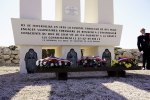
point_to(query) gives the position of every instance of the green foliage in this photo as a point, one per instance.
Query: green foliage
(116, 49)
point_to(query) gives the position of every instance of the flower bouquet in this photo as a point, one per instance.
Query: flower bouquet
(124, 62)
(53, 62)
(94, 61)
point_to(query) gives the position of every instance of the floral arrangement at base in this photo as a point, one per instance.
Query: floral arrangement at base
(53, 62)
(124, 62)
(94, 61)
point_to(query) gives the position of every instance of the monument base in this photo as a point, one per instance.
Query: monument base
(61, 75)
(116, 73)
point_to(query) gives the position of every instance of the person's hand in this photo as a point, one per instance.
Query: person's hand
(104, 59)
(142, 52)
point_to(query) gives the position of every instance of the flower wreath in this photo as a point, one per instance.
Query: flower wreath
(53, 62)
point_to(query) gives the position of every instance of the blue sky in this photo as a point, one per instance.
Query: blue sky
(132, 14)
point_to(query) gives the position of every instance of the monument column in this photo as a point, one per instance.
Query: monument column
(29, 9)
(91, 11)
(68, 11)
(105, 12)
(101, 12)
(106, 16)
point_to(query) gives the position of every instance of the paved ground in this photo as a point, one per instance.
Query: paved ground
(80, 86)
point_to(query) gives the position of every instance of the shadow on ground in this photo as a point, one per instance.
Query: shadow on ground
(74, 88)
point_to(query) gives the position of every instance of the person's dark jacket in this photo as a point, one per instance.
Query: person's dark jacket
(142, 43)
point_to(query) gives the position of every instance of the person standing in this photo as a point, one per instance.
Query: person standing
(143, 43)
(148, 61)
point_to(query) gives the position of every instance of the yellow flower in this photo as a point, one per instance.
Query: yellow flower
(128, 65)
(114, 62)
(125, 63)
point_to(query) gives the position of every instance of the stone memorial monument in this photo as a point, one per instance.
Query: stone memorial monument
(96, 33)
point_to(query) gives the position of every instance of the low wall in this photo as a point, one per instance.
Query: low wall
(9, 56)
(129, 53)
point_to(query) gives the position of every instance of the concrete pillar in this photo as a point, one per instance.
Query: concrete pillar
(91, 11)
(58, 10)
(99, 11)
(106, 16)
(105, 12)
(29, 9)
(68, 11)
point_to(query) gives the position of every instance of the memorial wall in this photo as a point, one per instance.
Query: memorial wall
(65, 35)
(38, 32)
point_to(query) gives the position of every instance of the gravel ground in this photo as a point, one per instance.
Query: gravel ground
(80, 86)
